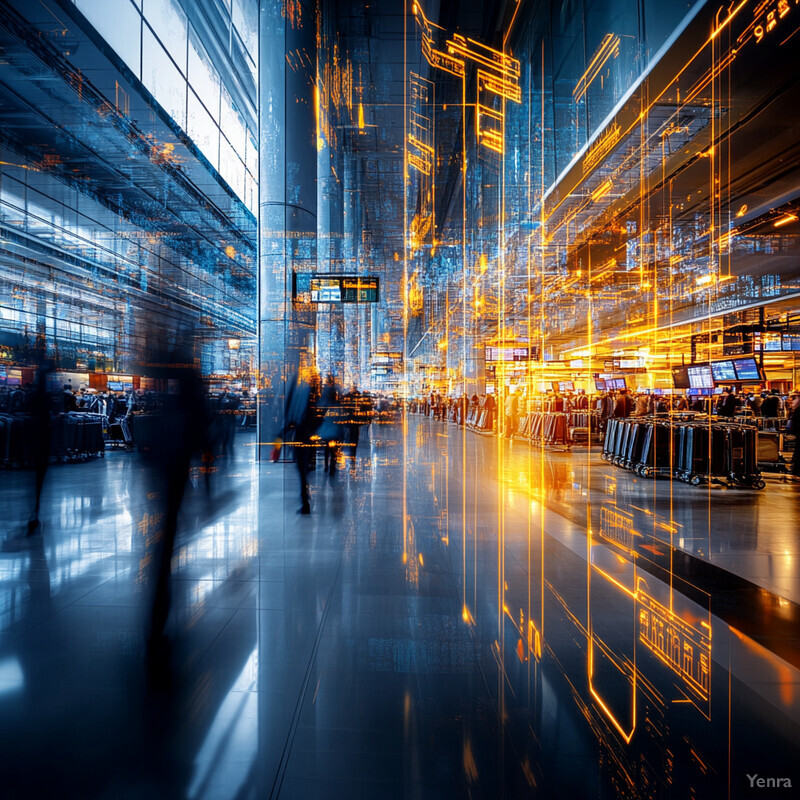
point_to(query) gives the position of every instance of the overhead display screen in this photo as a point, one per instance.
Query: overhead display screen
(771, 342)
(680, 377)
(723, 371)
(791, 341)
(326, 290)
(309, 287)
(747, 369)
(700, 377)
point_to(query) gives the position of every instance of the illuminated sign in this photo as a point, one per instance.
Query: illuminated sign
(497, 76)
(700, 377)
(769, 15)
(723, 371)
(747, 369)
(309, 287)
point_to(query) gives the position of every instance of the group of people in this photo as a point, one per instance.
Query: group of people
(323, 417)
(612, 404)
(729, 403)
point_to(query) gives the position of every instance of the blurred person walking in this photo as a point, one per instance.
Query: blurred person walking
(302, 423)
(330, 430)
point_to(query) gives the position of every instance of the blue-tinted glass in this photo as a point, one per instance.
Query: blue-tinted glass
(163, 79)
(203, 130)
(203, 77)
(168, 22)
(119, 24)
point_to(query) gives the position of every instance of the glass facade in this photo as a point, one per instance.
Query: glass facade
(162, 47)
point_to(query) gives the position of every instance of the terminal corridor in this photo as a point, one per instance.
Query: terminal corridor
(425, 632)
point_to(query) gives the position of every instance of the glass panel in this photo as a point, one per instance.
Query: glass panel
(231, 167)
(568, 67)
(612, 53)
(169, 23)
(203, 77)
(162, 78)
(251, 156)
(120, 25)
(231, 124)
(245, 19)
(250, 193)
(661, 19)
(203, 130)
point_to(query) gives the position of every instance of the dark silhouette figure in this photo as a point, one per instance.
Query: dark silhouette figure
(624, 404)
(330, 430)
(353, 417)
(179, 430)
(40, 429)
(301, 423)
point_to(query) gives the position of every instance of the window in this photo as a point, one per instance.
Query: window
(163, 79)
(121, 27)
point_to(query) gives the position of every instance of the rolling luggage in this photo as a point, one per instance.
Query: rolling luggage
(769, 452)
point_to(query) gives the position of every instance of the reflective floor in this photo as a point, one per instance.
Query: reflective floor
(432, 630)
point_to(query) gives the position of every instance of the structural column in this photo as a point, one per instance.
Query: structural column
(329, 227)
(287, 202)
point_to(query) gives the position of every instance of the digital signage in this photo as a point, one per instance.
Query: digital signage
(700, 377)
(680, 377)
(310, 287)
(723, 371)
(507, 353)
(747, 369)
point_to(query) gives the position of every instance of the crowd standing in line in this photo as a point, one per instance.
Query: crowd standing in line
(619, 403)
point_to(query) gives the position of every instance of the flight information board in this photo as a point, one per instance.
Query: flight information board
(311, 287)
(700, 377)
(723, 371)
(508, 353)
(747, 369)
(773, 341)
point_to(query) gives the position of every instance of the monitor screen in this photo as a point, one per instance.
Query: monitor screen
(680, 377)
(600, 385)
(700, 377)
(114, 386)
(747, 369)
(312, 287)
(771, 341)
(723, 371)
(791, 341)
(326, 290)
(566, 386)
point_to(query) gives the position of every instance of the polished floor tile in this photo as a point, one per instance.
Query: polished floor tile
(441, 626)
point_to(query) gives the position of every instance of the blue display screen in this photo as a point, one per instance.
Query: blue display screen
(747, 369)
(723, 371)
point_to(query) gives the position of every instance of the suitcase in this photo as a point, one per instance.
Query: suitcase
(769, 452)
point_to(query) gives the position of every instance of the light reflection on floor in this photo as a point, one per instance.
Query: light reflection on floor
(351, 655)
